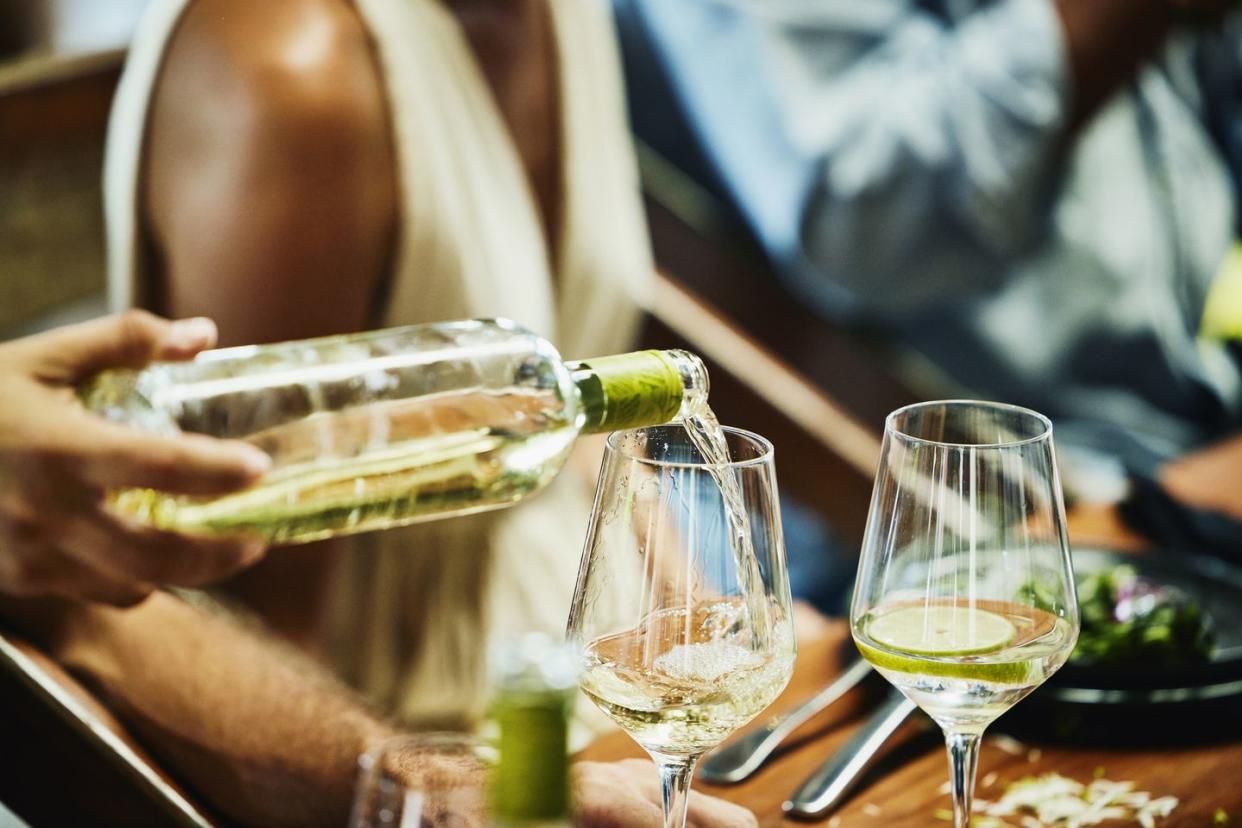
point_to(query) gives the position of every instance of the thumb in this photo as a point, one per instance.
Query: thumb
(126, 340)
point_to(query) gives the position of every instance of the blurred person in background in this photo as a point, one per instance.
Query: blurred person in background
(1036, 194)
(314, 167)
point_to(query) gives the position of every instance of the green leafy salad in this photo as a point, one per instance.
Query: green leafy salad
(1127, 618)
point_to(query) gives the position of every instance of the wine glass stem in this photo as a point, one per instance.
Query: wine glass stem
(963, 759)
(675, 777)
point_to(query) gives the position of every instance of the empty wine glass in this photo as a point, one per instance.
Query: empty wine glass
(682, 610)
(965, 595)
(428, 780)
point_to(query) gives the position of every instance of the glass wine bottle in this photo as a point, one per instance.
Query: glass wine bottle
(380, 429)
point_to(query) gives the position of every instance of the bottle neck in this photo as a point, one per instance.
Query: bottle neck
(638, 389)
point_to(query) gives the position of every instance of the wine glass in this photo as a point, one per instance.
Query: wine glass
(432, 780)
(965, 595)
(682, 610)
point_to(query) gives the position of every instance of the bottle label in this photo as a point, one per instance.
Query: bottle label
(632, 390)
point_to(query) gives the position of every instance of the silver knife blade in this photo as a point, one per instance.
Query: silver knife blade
(741, 757)
(824, 789)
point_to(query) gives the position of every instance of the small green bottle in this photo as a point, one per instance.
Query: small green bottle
(537, 679)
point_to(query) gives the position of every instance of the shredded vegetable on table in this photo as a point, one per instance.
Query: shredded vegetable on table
(1126, 619)
(1055, 801)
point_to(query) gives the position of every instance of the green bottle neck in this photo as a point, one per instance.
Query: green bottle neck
(638, 389)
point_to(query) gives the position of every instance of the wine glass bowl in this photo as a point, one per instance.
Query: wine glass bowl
(965, 597)
(682, 610)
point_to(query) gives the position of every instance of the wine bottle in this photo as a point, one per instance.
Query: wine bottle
(536, 685)
(385, 428)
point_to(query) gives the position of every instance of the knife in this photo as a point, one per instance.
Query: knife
(825, 788)
(740, 758)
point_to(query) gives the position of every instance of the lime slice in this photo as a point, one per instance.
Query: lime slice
(941, 631)
(949, 640)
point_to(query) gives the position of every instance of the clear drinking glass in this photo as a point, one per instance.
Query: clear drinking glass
(431, 780)
(683, 640)
(965, 596)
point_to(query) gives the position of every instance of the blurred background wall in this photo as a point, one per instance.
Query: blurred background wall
(59, 61)
(66, 25)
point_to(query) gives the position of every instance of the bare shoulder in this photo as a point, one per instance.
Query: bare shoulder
(293, 59)
(268, 169)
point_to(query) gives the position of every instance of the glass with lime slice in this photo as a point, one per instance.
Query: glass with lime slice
(966, 514)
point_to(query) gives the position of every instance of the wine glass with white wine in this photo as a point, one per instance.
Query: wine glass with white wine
(682, 611)
(965, 596)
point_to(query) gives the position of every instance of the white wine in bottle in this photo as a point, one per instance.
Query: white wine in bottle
(385, 428)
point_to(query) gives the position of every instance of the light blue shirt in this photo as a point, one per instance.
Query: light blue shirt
(904, 164)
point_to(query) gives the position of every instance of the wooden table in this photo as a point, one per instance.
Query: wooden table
(905, 788)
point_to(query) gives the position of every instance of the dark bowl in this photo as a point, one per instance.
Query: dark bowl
(1144, 703)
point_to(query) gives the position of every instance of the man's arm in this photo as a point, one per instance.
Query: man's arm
(1208, 478)
(256, 729)
(260, 732)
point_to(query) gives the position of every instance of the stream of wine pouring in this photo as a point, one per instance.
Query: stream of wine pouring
(708, 437)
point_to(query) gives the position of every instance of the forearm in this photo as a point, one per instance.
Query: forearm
(260, 733)
(1208, 478)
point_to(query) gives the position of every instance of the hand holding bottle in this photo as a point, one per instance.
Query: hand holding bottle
(57, 536)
